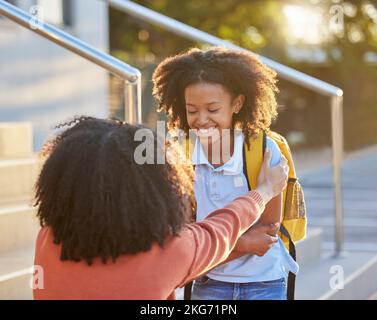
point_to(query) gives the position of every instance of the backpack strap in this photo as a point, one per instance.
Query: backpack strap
(291, 276)
(253, 159)
(264, 142)
(187, 291)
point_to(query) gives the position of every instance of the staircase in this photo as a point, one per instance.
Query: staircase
(19, 168)
(357, 265)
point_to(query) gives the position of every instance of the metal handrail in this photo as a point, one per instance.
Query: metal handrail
(285, 72)
(130, 75)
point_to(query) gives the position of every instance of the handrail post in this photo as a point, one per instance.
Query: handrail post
(132, 101)
(337, 144)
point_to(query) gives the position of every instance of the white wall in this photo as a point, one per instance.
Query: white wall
(45, 84)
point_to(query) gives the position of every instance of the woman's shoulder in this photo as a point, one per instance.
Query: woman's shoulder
(45, 237)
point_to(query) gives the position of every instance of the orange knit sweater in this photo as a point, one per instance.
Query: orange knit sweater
(147, 275)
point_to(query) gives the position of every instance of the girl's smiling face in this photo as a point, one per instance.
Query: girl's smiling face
(210, 106)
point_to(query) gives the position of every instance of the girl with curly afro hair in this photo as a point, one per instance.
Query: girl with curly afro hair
(113, 228)
(227, 97)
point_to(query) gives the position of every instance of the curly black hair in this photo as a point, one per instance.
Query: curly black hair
(99, 202)
(239, 71)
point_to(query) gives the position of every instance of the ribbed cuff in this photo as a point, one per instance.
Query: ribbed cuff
(256, 196)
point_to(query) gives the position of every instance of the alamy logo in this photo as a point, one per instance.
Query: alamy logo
(37, 279)
(36, 21)
(172, 146)
(336, 23)
(337, 280)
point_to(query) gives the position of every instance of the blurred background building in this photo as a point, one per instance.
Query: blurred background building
(43, 83)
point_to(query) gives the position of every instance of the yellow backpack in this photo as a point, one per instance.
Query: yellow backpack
(294, 210)
(293, 224)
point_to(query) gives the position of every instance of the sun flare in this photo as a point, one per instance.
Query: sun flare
(305, 25)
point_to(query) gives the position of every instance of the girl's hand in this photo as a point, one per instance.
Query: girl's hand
(272, 181)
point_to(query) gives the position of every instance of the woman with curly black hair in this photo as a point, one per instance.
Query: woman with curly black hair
(115, 229)
(227, 97)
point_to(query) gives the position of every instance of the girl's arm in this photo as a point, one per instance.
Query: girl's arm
(260, 237)
(273, 212)
(259, 241)
(233, 255)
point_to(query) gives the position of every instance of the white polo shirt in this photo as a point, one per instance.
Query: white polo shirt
(215, 188)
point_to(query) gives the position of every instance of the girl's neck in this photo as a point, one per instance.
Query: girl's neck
(220, 152)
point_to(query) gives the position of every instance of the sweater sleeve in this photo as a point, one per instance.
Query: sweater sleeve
(216, 236)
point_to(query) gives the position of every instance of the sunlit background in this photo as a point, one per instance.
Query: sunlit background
(333, 40)
(306, 25)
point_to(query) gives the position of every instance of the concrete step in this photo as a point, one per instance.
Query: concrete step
(314, 205)
(308, 251)
(329, 214)
(17, 178)
(18, 227)
(16, 274)
(16, 140)
(349, 194)
(352, 222)
(351, 246)
(351, 234)
(356, 271)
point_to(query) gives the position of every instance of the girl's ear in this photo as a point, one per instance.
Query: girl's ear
(238, 103)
